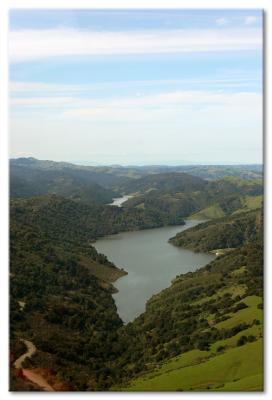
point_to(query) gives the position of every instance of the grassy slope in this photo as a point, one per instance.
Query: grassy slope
(252, 202)
(226, 365)
(215, 211)
(209, 200)
(101, 271)
(233, 290)
(238, 368)
(245, 315)
(221, 233)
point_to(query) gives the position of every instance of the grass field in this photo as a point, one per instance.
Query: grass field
(253, 202)
(255, 330)
(237, 369)
(215, 211)
(246, 315)
(232, 368)
(233, 290)
(212, 212)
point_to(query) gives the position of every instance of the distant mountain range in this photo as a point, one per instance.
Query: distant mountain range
(32, 177)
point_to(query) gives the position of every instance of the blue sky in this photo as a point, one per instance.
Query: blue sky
(136, 87)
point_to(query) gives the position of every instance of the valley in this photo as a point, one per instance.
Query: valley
(151, 263)
(136, 179)
(111, 303)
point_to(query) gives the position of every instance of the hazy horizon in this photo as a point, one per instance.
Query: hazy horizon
(137, 87)
(162, 164)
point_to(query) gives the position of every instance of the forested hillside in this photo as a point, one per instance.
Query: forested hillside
(104, 176)
(203, 316)
(81, 223)
(223, 233)
(211, 199)
(191, 334)
(70, 316)
(58, 303)
(26, 171)
(166, 183)
(75, 185)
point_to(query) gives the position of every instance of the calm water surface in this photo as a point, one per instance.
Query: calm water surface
(151, 263)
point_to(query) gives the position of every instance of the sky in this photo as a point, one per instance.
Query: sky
(135, 87)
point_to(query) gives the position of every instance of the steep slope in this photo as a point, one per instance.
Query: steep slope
(166, 182)
(192, 334)
(68, 313)
(106, 177)
(222, 233)
(237, 369)
(181, 195)
(65, 286)
(61, 298)
(81, 223)
(73, 184)
(231, 184)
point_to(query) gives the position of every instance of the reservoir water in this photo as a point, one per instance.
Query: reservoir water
(151, 263)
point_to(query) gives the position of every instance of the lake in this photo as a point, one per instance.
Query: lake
(151, 263)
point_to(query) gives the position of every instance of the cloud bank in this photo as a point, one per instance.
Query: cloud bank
(168, 106)
(199, 126)
(27, 45)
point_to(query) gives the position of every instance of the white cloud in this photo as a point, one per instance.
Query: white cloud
(229, 79)
(41, 101)
(26, 45)
(250, 20)
(24, 87)
(172, 106)
(221, 21)
(168, 106)
(202, 125)
(164, 98)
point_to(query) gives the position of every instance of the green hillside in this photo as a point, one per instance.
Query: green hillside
(195, 199)
(69, 313)
(223, 233)
(203, 332)
(75, 185)
(83, 223)
(237, 369)
(166, 182)
(203, 317)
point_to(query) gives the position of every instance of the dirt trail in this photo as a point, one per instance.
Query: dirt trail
(31, 349)
(29, 374)
(37, 379)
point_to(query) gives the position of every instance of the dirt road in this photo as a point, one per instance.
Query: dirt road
(31, 349)
(36, 378)
(30, 374)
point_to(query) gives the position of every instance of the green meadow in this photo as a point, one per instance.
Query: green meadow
(226, 366)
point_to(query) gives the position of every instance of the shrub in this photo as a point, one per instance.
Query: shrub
(251, 338)
(242, 340)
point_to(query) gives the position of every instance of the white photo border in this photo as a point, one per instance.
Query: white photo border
(7, 5)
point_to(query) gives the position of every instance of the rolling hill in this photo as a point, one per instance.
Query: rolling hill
(166, 183)
(198, 199)
(202, 333)
(76, 185)
(223, 233)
